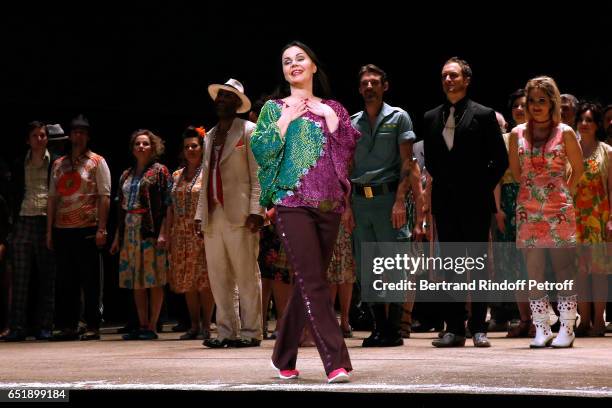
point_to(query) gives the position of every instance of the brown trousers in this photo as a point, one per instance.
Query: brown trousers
(308, 236)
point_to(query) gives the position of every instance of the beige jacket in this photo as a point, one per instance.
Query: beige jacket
(238, 175)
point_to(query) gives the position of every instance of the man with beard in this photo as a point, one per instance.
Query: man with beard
(383, 173)
(229, 216)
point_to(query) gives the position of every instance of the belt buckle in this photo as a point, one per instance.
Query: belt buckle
(368, 191)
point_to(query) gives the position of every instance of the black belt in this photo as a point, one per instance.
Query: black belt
(369, 191)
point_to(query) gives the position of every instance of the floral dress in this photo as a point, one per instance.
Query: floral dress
(272, 259)
(342, 266)
(142, 202)
(188, 270)
(593, 211)
(545, 215)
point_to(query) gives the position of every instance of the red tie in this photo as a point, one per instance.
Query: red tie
(219, 184)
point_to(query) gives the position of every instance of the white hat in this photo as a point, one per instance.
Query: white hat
(235, 87)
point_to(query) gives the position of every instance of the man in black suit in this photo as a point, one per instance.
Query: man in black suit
(466, 157)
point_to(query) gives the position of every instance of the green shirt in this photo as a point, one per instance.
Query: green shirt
(377, 156)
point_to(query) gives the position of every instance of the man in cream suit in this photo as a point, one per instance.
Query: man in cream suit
(229, 216)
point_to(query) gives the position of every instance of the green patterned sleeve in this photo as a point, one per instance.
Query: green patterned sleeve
(267, 146)
(266, 141)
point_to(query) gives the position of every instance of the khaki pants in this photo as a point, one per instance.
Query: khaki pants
(231, 257)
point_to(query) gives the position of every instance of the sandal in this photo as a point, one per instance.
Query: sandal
(520, 330)
(190, 335)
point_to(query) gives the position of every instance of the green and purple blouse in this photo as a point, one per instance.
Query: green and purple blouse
(309, 167)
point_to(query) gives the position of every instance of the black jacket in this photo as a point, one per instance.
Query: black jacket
(465, 176)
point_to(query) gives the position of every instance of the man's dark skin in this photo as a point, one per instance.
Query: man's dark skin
(226, 105)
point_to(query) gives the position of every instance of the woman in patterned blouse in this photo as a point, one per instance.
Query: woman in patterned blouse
(303, 144)
(188, 273)
(142, 203)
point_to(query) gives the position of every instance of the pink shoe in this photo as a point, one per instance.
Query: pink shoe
(286, 374)
(338, 376)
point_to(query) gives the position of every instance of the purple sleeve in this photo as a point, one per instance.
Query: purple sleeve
(342, 144)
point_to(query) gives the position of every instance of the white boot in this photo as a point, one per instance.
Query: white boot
(567, 309)
(540, 317)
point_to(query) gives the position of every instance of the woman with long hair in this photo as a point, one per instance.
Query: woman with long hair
(303, 144)
(592, 199)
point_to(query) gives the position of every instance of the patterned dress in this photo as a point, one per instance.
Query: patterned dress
(188, 270)
(141, 264)
(342, 266)
(545, 210)
(593, 211)
(272, 259)
(509, 263)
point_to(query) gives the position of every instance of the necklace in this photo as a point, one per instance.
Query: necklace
(543, 147)
(189, 189)
(589, 151)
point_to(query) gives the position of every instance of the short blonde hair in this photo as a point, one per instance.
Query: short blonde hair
(156, 142)
(549, 87)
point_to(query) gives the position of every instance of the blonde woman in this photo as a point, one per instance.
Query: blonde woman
(540, 152)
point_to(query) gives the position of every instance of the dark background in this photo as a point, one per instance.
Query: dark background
(128, 66)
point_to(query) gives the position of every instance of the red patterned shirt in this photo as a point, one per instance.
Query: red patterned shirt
(77, 185)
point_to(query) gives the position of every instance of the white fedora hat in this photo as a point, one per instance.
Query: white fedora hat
(235, 87)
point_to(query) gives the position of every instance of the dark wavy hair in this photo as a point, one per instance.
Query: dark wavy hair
(192, 131)
(321, 86)
(188, 133)
(597, 113)
(519, 93)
